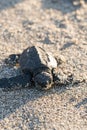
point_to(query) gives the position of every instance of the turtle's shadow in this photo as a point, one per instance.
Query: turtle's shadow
(83, 102)
(4, 4)
(65, 6)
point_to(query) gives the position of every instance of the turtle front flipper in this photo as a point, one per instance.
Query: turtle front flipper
(13, 60)
(62, 79)
(16, 82)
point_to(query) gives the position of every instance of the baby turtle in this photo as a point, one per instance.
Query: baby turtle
(38, 66)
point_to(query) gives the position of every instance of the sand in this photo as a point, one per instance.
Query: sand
(59, 25)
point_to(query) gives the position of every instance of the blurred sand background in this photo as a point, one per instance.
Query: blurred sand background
(59, 25)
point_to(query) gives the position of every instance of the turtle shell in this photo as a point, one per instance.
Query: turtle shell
(34, 58)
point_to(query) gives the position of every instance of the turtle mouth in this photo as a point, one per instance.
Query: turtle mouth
(40, 87)
(43, 80)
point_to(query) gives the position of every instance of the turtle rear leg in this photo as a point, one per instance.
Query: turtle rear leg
(12, 60)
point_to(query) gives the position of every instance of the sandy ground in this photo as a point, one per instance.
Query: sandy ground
(59, 26)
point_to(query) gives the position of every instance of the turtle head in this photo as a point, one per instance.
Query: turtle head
(43, 80)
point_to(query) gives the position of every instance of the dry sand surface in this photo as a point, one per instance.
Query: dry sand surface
(59, 25)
